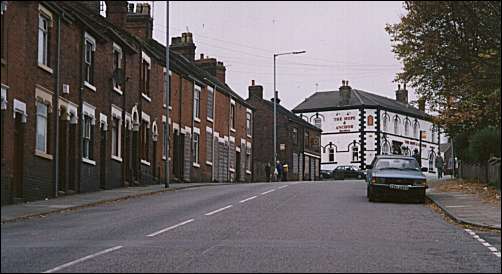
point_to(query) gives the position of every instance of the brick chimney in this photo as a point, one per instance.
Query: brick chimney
(116, 12)
(212, 66)
(402, 94)
(139, 22)
(92, 5)
(345, 91)
(184, 45)
(255, 90)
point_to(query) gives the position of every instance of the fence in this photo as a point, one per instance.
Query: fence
(485, 172)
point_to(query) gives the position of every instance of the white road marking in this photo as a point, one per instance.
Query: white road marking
(458, 206)
(266, 192)
(493, 249)
(218, 210)
(282, 187)
(169, 228)
(82, 259)
(245, 200)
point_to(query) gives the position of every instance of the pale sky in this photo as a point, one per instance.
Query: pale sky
(343, 40)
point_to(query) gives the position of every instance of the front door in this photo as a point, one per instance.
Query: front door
(237, 166)
(102, 159)
(62, 155)
(17, 182)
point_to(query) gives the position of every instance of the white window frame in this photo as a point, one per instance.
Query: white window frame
(210, 90)
(47, 15)
(209, 158)
(197, 90)
(232, 115)
(196, 149)
(145, 117)
(249, 128)
(89, 71)
(148, 60)
(46, 117)
(89, 111)
(116, 114)
(117, 48)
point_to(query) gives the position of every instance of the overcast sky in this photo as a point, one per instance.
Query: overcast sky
(343, 40)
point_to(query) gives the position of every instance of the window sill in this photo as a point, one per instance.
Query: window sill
(195, 165)
(231, 170)
(46, 68)
(249, 136)
(210, 120)
(89, 161)
(116, 158)
(248, 172)
(43, 155)
(89, 86)
(164, 158)
(4, 61)
(196, 119)
(209, 163)
(143, 162)
(119, 91)
(146, 97)
(232, 130)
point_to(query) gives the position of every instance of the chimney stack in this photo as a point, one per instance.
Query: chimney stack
(116, 12)
(184, 45)
(255, 91)
(139, 22)
(402, 94)
(212, 66)
(345, 91)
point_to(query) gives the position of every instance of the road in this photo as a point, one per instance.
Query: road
(303, 227)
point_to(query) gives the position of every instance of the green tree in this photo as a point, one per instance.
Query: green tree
(451, 56)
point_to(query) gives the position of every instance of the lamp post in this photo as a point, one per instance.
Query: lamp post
(167, 85)
(275, 101)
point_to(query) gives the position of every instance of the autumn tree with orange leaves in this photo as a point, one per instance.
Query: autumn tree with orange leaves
(451, 56)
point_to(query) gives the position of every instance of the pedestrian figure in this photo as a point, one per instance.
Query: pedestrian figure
(439, 166)
(278, 173)
(416, 155)
(285, 169)
(267, 172)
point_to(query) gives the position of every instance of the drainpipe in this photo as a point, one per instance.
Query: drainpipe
(55, 163)
(123, 144)
(80, 108)
(229, 177)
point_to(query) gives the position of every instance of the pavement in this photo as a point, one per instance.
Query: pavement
(465, 208)
(25, 210)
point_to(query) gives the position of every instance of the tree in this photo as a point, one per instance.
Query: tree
(451, 56)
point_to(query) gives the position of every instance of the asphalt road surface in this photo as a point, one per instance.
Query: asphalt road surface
(303, 227)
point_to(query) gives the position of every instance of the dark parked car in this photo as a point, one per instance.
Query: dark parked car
(325, 174)
(347, 172)
(396, 177)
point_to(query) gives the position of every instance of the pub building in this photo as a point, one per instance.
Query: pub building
(358, 125)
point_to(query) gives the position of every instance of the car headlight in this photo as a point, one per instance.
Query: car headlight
(421, 182)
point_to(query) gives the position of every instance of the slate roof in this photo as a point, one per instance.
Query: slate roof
(291, 116)
(331, 100)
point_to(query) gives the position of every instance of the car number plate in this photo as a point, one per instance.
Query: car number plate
(400, 187)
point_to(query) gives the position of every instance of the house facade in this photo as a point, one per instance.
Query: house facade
(358, 125)
(83, 104)
(298, 142)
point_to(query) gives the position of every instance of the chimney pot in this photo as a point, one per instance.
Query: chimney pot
(202, 56)
(252, 82)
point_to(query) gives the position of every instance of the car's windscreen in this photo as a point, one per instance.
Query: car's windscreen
(397, 164)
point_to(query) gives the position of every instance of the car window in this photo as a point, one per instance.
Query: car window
(397, 164)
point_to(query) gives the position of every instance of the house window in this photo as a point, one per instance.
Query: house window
(117, 65)
(195, 147)
(396, 125)
(88, 138)
(306, 142)
(43, 39)
(210, 100)
(386, 148)
(2, 32)
(145, 78)
(331, 154)
(209, 146)
(248, 124)
(145, 137)
(232, 116)
(370, 120)
(248, 157)
(318, 122)
(89, 60)
(42, 126)
(433, 133)
(196, 102)
(294, 135)
(385, 122)
(116, 133)
(416, 126)
(407, 127)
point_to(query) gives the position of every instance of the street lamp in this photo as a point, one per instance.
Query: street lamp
(275, 101)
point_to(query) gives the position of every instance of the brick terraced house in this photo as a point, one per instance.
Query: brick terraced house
(83, 103)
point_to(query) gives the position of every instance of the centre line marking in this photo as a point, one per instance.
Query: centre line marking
(82, 259)
(458, 206)
(266, 192)
(245, 200)
(283, 187)
(169, 228)
(218, 210)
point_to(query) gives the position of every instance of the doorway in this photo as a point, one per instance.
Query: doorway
(102, 158)
(17, 182)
